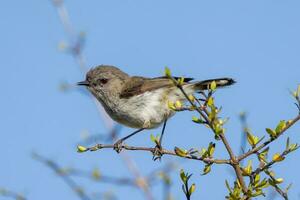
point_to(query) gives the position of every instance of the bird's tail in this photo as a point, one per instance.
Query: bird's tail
(220, 82)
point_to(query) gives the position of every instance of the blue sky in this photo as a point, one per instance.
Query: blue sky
(255, 42)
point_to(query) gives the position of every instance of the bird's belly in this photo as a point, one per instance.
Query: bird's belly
(148, 110)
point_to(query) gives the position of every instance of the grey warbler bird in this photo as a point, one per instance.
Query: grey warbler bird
(140, 102)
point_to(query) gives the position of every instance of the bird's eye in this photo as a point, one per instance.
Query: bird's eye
(102, 81)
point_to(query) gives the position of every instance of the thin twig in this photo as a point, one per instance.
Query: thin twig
(68, 180)
(243, 142)
(102, 178)
(277, 188)
(163, 151)
(269, 164)
(11, 194)
(258, 148)
(234, 160)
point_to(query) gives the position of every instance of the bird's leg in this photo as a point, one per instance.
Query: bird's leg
(162, 133)
(157, 151)
(118, 144)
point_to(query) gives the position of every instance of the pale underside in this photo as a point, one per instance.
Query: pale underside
(147, 110)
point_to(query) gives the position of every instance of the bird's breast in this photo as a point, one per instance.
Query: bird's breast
(147, 110)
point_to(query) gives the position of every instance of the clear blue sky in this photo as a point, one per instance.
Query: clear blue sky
(256, 42)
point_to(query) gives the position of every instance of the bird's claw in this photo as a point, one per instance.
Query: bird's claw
(118, 146)
(157, 152)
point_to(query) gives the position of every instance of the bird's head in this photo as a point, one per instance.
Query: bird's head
(104, 81)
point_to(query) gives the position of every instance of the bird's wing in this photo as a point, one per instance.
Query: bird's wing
(137, 85)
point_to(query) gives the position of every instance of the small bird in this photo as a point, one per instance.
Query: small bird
(140, 102)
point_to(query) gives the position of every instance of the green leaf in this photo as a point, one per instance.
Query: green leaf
(213, 86)
(293, 147)
(287, 146)
(81, 149)
(181, 80)
(248, 170)
(252, 140)
(210, 101)
(298, 90)
(280, 126)
(153, 138)
(257, 193)
(168, 72)
(218, 129)
(228, 186)
(171, 105)
(294, 94)
(271, 132)
(263, 155)
(272, 182)
(211, 149)
(278, 180)
(206, 169)
(180, 152)
(204, 153)
(183, 176)
(213, 114)
(197, 120)
(278, 157)
(192, 189)
(191, 97)
(178, 104)
(262, 184)
(256, 179)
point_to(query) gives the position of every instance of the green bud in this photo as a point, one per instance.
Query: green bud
(81, 149)
(277, 157)
(280, 126)
(213, 86)
(180, 152)
(206, 169)
(271, 132)
(167, 72)
(192, 189)
(183, 176)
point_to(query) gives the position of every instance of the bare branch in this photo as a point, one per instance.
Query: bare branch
(163, 151)
(68, 180)
(11, 194)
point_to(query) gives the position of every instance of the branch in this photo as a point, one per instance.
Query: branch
(69, 181)
(101, 178)
(269, 164)
(11, 194)
(203, 113)
(152, 150)
(234, 163)
(277, 188)
(256, 149)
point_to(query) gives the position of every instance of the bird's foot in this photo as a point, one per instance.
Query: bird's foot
(118, 146)
(157, 152)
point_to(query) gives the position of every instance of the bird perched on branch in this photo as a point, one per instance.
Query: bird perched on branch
(140, 102)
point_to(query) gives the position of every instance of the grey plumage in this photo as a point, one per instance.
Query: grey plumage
(140, 102)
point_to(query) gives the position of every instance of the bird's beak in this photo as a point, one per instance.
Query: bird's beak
(84, 83)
